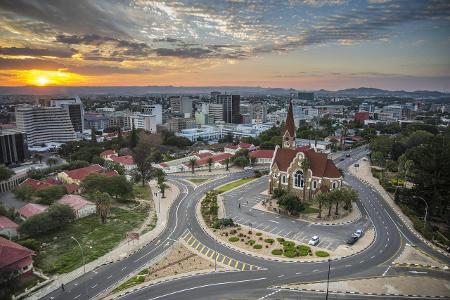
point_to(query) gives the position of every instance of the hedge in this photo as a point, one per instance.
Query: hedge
(322, 253)
(257, 246)
(269, 241)
(233, 239)
(277, 251)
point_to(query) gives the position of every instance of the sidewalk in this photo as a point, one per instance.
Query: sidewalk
(214, 172)
(123, 250)
(364, 173)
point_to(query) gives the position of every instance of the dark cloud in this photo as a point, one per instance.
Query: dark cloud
(167, 40)
(184, 52)
(62, 53)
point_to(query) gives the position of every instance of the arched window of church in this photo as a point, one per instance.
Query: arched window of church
(314, 184)
(284, 178)
(298, 179)
(334, 184)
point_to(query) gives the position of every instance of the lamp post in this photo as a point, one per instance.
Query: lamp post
(215, 255)
(84, 263)
(426, 214)
(328, 279)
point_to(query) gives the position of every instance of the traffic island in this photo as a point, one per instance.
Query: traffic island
(408, 286)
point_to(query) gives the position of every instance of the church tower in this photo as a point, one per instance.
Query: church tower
(289, 130)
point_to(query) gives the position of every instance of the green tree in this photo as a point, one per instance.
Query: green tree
(163, 187)
(24, 192)
(112, 165)
(38, 157)
(210, 162)
(60, 215)
(227, 163)
(77, 164)
(320, 199)
(143, 155)
(306, 164)
(102, 205)
(291, 203)
(49, 195)
(5, 173)
(241, 161)
(133, 138)
(192, 164)
(93, 135)
(52, 161)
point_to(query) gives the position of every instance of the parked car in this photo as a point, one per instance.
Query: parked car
(342, 158)
(358, 233)
(352, 240)
(348, 154)
(314, 241)
(248, 168)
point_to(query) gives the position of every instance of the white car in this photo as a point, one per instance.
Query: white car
(248, 168)
(314, 241)
(358, 233)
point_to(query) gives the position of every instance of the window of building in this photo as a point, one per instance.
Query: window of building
(314, 184)
(284, 178)
(334, 184)
(298, 179)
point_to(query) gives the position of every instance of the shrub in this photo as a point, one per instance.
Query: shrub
(277, 251)
(257, 246)
(303, 250)
(288, 244)
(233, 239)
(290, 253)
(251, 242)
(259, 234)
(31, 244)
(220, 223)
(280, 240)
(322, 253)
(269, 241)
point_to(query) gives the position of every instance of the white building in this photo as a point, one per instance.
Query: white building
(205, 133)
(319, 146)
(142, 121)
(215, 112)
(153, 110)
(181, 104)
(44, 124)
(81, 206)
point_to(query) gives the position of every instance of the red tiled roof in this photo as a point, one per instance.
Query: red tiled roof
(290, 125)
(321, 166)
(36, 184)
(262, 153)
(245, 145)
(7, 223)
(72, 187)
(111, 173)
(163, 165)
(216, 158)
(74, 201)
(81, 173)
(231, 146)
(11, 253)
(107, 153)
(203, 155)
(124, 160)
(31, 209)
(52, 180)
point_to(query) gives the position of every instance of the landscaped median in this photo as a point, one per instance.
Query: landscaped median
(229, 186)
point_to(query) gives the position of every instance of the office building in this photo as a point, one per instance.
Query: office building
(154, 110)
(215, 112)
(119, 119)
(13, 147)
(142, 121)
(95, 120)
(176, 124)
(181, 105)
(74, 107)
(231, 107)
(44, 124)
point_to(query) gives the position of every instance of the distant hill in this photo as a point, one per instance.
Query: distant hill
(243, 90)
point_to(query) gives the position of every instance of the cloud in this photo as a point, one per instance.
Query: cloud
(15, 51)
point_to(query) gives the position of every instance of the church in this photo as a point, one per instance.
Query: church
(301, 171)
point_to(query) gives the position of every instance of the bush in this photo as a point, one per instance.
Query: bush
(251, 242)
(288, 244)
(233, 239)
(30, 244)
(228, 222)
(280, 240)
(257, 246)
(290, 253)
(277, 251)
(303, 250)
(322, 253)
(269, 241)
(259, 234)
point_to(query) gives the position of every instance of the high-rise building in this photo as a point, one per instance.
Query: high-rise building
(74, 107)
(181, 105)
(154, 110)
(176, 124)
(215, 112)
(13, 147)
(143, 121)
(44, 124)
(231, 107)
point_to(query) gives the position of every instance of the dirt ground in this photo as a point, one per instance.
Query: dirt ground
(403, 285)
(411, 255)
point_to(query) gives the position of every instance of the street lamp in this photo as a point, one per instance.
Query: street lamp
(84, 262)
(328, 279)
(426, 213)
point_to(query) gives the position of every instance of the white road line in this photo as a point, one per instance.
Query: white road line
(385, 272)
(207, 285)
(268, 295)
(94, 286)
(77, 296)
(109, 277)
(274, 221)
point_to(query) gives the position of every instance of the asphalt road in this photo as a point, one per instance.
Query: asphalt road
(391, 235)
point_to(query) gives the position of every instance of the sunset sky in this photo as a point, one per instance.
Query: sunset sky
(302, 44)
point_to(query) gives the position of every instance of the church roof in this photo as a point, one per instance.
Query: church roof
(290, 125)
(321, 166)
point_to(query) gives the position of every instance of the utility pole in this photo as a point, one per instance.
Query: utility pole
(328, 279)
(426, 214)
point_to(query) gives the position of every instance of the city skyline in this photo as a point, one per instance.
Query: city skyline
(304, 44)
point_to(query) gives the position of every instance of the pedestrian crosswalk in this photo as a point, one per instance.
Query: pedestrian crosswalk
(219, 257)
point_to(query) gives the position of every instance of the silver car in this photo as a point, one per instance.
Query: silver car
(314, 241)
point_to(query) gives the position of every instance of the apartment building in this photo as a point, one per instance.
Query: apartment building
(13, 147)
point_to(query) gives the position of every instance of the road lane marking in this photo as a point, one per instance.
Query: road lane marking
(77, 296)
(109, 277)
(385, 272)
(274, 221)
(94, 286)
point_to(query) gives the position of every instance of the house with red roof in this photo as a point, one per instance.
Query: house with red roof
(72, 188)
(230, 148)
(262, 157)
(107, 154)
(301, 171)
(7, 227)
(31, 209)
(15, 259)
(36, 185)
(78, 175)
(80, 205)
(127, 161)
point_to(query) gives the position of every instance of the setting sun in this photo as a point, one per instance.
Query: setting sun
(46, 78)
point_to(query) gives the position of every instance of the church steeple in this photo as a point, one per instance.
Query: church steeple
(289, 130)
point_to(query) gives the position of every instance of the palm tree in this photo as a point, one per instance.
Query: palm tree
(210, 162)
(338, 199)
(252, 160)
(192, 164)
(227, 163)
(306, 164)
(38, 157)
(52, 161)
(320, 199)
(102, 205)
(163, 187)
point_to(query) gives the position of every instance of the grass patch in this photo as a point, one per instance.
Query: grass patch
(310, 210)
(257, 246)
(142, 192)
(152, 224)
(269, 241)
(277, 251)
(135, 280)
(234, 184)
(322, 254)
(197, 180)
(233, 239)
(60, 254)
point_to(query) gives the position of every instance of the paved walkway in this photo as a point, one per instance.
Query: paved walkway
(123, 250)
